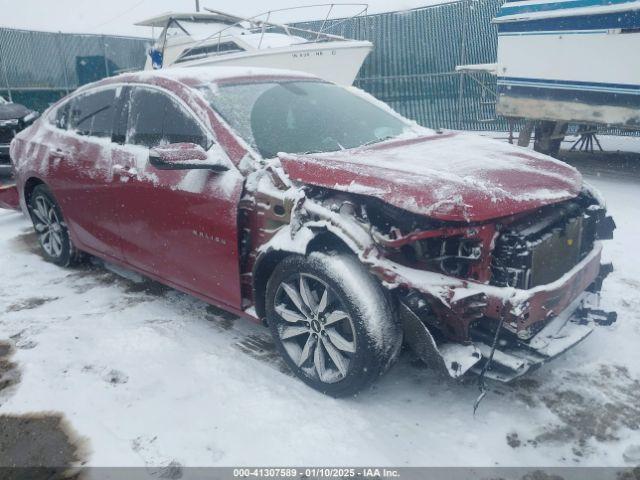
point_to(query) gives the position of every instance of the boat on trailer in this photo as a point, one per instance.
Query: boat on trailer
(220, 39)
(562, 62)
(571, 60)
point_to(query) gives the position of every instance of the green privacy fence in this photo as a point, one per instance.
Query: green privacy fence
(413, 65)
(37, 68)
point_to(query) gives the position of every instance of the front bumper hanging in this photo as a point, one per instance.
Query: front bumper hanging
(513, 356)
(565, 331)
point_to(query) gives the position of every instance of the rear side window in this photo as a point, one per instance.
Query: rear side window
(155, 119)
(92, 114)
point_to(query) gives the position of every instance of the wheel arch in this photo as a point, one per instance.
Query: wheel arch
(320, 239)
(74, 255)
(29, 187)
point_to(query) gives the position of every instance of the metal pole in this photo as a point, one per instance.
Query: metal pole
(324, 22)
(4, 72)
(366, 23)
(197, 5)
(34, 65)
(104, 56)
(463, 54)
(264, 26)
(64, 64)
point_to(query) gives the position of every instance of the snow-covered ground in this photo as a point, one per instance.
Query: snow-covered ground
(609, 143)
(148, 376)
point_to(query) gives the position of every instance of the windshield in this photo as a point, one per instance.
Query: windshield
(302, 116)
(197, 29)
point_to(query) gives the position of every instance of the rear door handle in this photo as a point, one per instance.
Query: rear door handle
(124, 172)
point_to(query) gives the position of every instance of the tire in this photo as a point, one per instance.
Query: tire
(52, 232)
(329, 300)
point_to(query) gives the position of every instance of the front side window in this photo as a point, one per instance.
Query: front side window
(92, 113)
(302, 117)
(61, 117)
(156, 119)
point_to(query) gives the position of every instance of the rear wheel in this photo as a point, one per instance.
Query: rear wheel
(331, 321)
(50, 228)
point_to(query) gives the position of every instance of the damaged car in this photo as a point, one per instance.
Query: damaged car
(318, 210)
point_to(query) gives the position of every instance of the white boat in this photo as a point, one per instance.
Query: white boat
(218, 38)
(570, 60)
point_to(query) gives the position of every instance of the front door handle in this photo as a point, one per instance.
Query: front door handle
(58, 153)
(124, 172)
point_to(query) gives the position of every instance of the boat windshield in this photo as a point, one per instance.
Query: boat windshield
(196, 29)
(302, 116)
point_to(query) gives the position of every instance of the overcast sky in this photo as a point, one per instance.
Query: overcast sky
(118, 16)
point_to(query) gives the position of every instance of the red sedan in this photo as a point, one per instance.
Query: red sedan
(323, 213)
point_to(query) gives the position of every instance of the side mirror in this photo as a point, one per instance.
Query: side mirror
(185, 156)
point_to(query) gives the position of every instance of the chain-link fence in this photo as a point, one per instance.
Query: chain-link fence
(412, 66)
(416, 52)
(37, 68)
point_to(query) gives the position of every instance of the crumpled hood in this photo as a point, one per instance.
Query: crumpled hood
(450, 176)
(11, 111)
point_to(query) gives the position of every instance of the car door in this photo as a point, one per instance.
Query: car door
(80, 169)
(179, 225)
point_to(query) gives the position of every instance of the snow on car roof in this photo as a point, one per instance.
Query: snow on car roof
(211, 74)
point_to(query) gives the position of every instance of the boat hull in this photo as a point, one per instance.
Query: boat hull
(570, 64)
(337, 62)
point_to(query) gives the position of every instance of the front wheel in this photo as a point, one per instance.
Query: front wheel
(331, 321)
(50, 228)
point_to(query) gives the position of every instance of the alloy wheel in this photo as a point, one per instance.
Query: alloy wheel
(48, 226)
(316, 331)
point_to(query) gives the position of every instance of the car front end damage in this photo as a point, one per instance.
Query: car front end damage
(519, 290)
(535, 276)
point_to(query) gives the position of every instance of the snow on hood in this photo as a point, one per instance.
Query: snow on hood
(450, 176)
